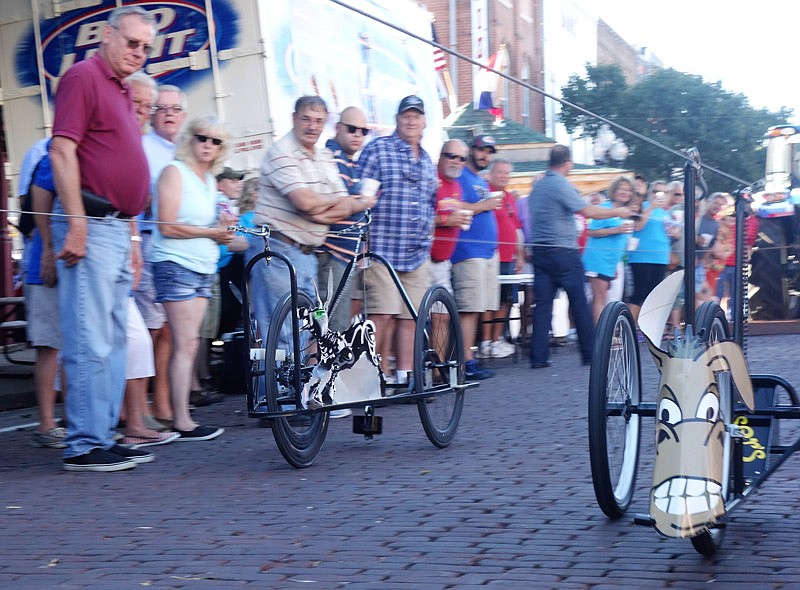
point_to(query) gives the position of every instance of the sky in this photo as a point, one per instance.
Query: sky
(750, 47)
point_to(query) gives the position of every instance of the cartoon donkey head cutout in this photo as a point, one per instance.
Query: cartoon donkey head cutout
(688, 485)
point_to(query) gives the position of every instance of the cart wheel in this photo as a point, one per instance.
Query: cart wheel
(712, 326)
(711, 318)
(614, 425)
(299, 438)
(438, 350)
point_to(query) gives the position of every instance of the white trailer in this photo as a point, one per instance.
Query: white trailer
(261, 56)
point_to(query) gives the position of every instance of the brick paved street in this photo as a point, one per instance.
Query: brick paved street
(509, 505)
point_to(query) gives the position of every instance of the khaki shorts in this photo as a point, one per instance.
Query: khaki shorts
(476, 286)
(441, 274)
(383, 297)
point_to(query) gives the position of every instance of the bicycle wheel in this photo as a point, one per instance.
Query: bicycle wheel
(614, 424)
(438, 353)
(712, 326)
(299, 438)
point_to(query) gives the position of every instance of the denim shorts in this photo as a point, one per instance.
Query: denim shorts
(177, 283)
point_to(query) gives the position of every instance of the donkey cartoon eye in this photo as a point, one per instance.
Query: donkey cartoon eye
(708, 408)
(669, 412)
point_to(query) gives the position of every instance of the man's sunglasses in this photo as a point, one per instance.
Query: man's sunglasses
(452, 156)
(352, 129)
(205, 138)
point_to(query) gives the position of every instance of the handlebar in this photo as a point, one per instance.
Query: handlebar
(263, 231)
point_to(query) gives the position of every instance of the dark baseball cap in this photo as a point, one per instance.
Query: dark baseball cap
(231, 174)
(484, 141)
(411, 102)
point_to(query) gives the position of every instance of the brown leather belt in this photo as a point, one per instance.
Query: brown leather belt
(304, 249)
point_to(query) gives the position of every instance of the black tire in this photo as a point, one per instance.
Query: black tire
(438, 351)
(299, 438)
(615, 391)
(712, 326)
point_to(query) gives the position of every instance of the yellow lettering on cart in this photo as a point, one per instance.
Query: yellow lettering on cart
(759, 451)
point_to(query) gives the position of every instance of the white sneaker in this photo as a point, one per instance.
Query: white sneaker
(485, 350)
(501, 349)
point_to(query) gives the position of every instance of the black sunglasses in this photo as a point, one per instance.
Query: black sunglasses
(134, 44)
(352, 129)
(452, 156)
(205, 138)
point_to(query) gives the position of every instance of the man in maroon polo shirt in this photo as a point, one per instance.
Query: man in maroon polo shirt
(100, 171)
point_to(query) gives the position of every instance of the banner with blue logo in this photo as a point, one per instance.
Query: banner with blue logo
(182, 32)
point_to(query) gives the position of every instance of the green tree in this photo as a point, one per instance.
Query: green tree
(677, 110)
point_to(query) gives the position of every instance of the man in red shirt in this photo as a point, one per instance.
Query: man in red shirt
(510, 245)
(100, 172)
(450, 216)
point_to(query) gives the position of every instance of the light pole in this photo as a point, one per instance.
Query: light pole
(608, 148)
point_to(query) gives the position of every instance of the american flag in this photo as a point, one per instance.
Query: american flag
(439, 56)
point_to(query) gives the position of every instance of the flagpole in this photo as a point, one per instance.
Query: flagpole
(451, 93)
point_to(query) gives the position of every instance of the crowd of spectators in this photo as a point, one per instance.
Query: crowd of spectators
(127, 291)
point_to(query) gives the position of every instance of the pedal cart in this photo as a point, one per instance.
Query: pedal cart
(298, 370)
(716, 424)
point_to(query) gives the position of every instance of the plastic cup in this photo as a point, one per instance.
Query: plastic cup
(466, 226)
(370, 186)
(496, 195)
(706, 238)
(633, 244)
(628, 225)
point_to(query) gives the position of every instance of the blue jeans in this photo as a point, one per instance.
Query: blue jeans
(725, 285)
(269, 283)
(556, 268)
(93, 297)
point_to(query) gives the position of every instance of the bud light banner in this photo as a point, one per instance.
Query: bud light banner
(181, 43)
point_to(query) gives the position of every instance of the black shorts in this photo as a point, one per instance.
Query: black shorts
(646, 277)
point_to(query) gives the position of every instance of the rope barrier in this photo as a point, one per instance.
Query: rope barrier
(358, 225)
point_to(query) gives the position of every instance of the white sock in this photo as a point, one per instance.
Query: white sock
(401, 375)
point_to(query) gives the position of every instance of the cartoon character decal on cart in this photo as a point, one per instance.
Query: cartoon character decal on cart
(348, 367)
(689, 472)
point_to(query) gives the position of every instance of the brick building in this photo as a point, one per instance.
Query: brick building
(478, 29)
(613, 49)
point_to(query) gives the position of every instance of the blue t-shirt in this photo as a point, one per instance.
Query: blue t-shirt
(602, 254)
(654, 243)
(480, 240)
(43, 178)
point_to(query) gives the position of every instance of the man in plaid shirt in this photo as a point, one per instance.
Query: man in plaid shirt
(402, 229)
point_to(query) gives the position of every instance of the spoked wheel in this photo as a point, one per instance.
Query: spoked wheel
(712, 326)
(614, 424)
(438, 354)
(299, 438)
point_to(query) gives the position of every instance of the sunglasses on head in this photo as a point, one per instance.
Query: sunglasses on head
(452, 156)
(352, 129)
(205, 138)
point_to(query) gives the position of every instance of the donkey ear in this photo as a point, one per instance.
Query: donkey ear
(727, 356)
(316, 292)
(658, 305)
(330, 290)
